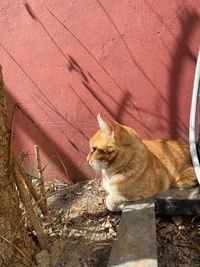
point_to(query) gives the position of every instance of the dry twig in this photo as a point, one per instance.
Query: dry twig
(37, 203)
(43, 207)
(45, 137)
(11, 132)
(19, 173)
(28, 205)
(40, 172)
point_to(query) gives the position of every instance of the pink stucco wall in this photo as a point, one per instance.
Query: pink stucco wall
(65, 61)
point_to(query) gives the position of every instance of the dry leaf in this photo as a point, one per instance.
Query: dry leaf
(78, 208)
(75, 236)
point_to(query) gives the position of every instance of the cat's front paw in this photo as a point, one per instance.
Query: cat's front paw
(112, 205)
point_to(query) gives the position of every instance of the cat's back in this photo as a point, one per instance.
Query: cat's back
(173, 154)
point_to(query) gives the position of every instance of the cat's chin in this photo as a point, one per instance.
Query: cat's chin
(95, 166)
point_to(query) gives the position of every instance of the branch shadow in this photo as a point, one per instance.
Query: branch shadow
(134, 61)
(188, 20)
(86, 49)
(74, 66)
(85, 76)
(28, 128)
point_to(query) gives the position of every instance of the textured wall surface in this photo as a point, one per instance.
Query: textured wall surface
(65, 61)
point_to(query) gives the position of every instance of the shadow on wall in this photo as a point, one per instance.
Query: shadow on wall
(188, 21)
(121, 106)
(29, 129)
(175, 123)
(73, 170)
(93, 88)
(86, 79)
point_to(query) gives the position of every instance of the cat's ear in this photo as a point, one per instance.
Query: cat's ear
(108, 125)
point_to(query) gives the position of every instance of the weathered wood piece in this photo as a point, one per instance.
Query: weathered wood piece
(178, 202)
(135, 245)
(136, 237)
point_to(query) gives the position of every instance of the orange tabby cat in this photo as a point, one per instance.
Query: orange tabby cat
(133, 168)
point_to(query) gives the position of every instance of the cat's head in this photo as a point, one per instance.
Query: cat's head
(110, 145)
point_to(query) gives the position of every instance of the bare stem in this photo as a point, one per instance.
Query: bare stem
(36, 203)
(42, 205)
(45, 137)
(28, 205)
(40, 172)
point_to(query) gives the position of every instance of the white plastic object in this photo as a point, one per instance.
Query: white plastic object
(192, 126)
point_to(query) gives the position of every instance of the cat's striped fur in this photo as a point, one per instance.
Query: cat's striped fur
(133, 168)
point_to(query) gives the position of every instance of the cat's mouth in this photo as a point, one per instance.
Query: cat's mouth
(95, 165)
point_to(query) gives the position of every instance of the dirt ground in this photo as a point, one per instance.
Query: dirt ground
(83, 230)
(178, 241)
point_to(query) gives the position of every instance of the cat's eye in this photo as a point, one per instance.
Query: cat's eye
(94, 149)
